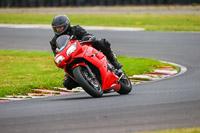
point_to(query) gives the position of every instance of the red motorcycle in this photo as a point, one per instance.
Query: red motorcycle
(90, 67)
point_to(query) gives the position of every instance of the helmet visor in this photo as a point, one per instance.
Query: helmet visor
(59, 29)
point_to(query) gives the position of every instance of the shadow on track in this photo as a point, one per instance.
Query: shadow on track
(88, 97)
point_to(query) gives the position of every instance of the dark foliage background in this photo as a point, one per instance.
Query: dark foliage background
(55, 3)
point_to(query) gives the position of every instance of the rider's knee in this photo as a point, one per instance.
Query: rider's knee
(69, 83)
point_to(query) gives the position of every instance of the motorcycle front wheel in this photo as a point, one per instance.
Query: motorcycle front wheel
(85, 80)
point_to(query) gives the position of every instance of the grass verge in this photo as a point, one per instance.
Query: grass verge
(151, 22)
(22, 71)
(183, 130)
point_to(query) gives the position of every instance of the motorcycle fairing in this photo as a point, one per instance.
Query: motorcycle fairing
(97, 58)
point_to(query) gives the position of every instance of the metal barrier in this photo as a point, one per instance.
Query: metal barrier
(55, 3)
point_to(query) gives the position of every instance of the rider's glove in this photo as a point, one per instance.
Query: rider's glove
(87, 38)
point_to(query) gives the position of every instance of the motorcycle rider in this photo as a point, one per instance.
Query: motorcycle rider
(61, 26)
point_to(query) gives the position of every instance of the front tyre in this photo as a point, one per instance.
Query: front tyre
(90, 85)
(126, 85)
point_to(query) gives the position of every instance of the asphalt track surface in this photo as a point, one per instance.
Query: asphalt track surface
(166, 104)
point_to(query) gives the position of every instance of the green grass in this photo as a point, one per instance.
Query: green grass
(22, 71)
(151, 22)
(137, 66)
(183, 130)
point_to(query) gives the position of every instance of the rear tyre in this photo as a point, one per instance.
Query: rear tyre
(91, 86)
(126, 85)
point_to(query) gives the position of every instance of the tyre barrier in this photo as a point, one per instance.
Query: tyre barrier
(56, 3)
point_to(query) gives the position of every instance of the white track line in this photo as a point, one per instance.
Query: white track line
(37, 26)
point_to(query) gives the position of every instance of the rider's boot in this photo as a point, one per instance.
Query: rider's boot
(113, 60)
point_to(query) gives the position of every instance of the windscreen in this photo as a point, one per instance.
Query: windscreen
(62, 41)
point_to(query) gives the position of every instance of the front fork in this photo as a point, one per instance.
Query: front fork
(90, 72)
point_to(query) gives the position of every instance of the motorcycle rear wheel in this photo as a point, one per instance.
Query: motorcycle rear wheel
(126, 85)
(91, 86)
